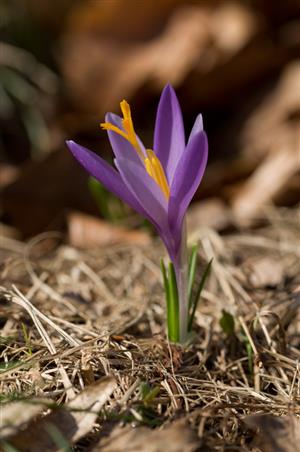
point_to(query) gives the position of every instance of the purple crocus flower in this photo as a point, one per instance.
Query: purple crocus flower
(158, 183)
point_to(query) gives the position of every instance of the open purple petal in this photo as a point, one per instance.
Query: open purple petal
(153, 204)
(169, 139)
(197, 127)
(104, 173)
(146, 191)
(120, 146)
(187, 178)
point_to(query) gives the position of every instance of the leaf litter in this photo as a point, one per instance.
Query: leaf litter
(84, 357)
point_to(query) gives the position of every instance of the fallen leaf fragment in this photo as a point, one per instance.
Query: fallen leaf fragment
(271, 138)
(71, 422)
(178, 48)
(276, 434)
(61, 184)
(271, 176)
(276, 120)
(8, 174)
(15, 415)
(8, 232)
(265, 271)
(87, 231)
(92, 399)
(177, 437)
(212, 213)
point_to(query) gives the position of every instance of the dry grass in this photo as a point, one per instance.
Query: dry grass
(70, 317)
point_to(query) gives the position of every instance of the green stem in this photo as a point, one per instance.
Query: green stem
(181, 270)
(174, 305)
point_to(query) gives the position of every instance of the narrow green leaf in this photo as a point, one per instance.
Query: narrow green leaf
(8, 447)
(167, 293)
(227, 323)
(249, 352)
(144, 389)
(192, 272)
(148, 394)
(17, 86)
(173, 304)
(26, 339)
(100, 197)
(58, 438)
(6, 340)
(164, 274)
(12, 365)
(153, 393)
(198, 294)
(7, 106)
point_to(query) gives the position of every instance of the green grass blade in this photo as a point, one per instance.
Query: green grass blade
(98, 193)
(192, 272)
(197, 296)
(227, 323)
(173, 304)
(58, 438)
(7, 447)
(167, 292)
(26, 339)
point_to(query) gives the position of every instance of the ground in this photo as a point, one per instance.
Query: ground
(85, 362)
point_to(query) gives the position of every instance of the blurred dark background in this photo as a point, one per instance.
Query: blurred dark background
(64, 63)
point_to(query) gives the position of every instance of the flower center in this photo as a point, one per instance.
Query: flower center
(152, 163)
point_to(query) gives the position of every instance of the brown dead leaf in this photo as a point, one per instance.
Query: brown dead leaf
(276, 434)
(265, 271)
(8, 174)
(272, 138)
(177, 437)
(86, 231)
(211, 212)
(107, 18)
(276, 121)
(45, 188)
(15, 415)
(132, 64)
(72, 422)
(101, 70)
(238, 25)
(8, 232)
(271, 177)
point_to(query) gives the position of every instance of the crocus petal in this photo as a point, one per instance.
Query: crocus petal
(197, 127)
(169, 242)
(169, 140)
(104, 173)
(146, 191)
(120, 146)
(151, 199)
(187, 178)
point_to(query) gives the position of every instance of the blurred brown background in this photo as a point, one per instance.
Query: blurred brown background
(64, 63)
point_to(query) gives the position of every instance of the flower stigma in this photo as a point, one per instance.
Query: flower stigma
(152, 164)
(155, 170)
